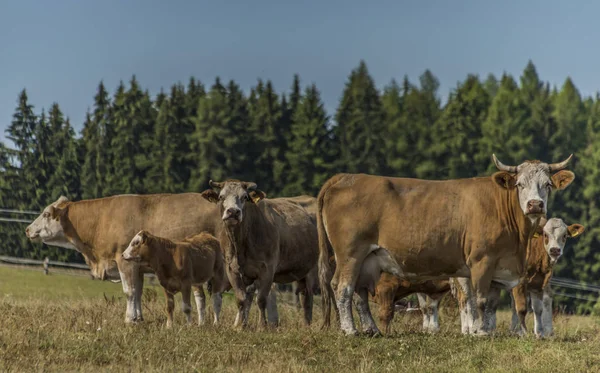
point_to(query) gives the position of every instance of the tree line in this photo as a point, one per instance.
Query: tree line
(286, 142)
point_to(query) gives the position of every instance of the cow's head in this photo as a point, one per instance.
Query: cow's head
(49, 226)
(534, 182)
(232, 196)
(138, 249)
(555, 234)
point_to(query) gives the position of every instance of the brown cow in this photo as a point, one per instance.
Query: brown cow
(544, 252)
(391, 289)
(101, 230)
(264, 241)
(433, 229)
(182, 265)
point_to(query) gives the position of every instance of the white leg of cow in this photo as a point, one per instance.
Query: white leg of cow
(366, 319)
(538, 308)
(242, 315)
(128, 289)
(200, 304)
(547, 312)
(430, 310)
(217, 299)
(272, 312)
(469, 312)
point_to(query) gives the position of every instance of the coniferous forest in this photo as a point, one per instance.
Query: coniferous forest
(286, 142)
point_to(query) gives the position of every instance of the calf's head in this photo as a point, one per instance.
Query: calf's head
(232, 197)
(555, 234)
(534, 182)
(138, 250)
(49, 226)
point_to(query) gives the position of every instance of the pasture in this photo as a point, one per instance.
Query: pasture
(70, 323)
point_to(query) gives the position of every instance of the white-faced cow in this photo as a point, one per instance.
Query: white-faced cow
(432, 230)
(545, 249)
(101, 230)
(264, 241)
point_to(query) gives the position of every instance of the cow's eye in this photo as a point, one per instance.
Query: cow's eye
(519, 185)
(246, 197)
(221, 197)
(46, 215)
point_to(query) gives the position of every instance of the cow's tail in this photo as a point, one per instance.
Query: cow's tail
(325, 253)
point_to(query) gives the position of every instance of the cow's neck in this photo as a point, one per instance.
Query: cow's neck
(78, 231)
(243, 237)
(521, 225)
(163, 263)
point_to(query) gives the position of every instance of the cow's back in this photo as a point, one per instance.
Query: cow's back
(117, 219)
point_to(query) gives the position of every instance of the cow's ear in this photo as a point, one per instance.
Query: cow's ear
(210, 195)
(257, 195)
(57, 213)
(562, 179)
(575, 230)
(504, 179)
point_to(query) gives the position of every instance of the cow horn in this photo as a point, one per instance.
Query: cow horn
(502, 167)
(561, 165)
(215, 184)
(250, 186)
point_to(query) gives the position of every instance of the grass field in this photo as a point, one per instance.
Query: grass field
(71, 323)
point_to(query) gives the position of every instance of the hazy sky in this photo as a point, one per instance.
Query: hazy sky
(59, 50)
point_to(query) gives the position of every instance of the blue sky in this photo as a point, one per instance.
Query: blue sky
(59, 50)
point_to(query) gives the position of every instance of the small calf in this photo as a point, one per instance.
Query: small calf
(180, 266)
(544, 250)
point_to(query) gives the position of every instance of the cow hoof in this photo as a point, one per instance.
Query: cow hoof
(351, 333)
(373, 333)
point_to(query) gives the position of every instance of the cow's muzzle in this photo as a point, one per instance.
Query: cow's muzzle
(535, 207)
(32, 235)
(555, 252)
(232, 216)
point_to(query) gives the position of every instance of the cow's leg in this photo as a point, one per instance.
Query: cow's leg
(305, 288)
(519, 296)
(547, 311)
(430, 310)
(186, 304)
(128, 275)
(538, 308)
(364, 313)
(170, 308)
(200, 303)
(297, 289)
(491, 308)
(481, 279)
(241, 319)
(467, 304)
(272, 312)
(344, 281)
(264, 287)
(217, 299)
(386, 292)
(138, 293)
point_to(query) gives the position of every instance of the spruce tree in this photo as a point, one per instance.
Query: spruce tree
(309, 154)
(458, 130)
(360, 128)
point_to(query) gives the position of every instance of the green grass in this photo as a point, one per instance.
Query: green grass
(64, 323)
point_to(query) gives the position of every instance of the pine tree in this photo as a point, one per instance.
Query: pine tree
(309, 154)
(360, 128)
(66, 177)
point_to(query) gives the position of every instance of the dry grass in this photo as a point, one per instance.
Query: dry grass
(65, 323)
